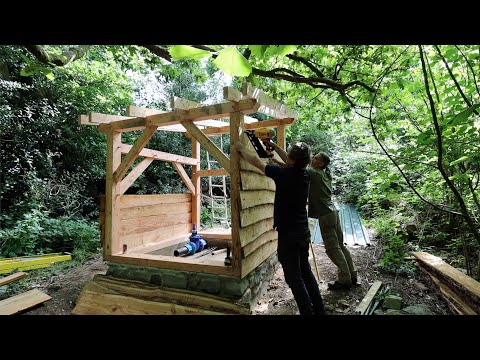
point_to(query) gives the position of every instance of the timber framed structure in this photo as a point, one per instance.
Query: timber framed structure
(144, 230)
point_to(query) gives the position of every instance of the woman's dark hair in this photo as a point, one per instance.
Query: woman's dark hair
(326, 162)
(299, 152)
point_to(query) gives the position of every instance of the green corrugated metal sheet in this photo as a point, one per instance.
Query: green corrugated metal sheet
(354, 233)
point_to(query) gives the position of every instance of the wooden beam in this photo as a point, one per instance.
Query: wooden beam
(203, 113)
(124, 125)
(112, 188)
(134, 152)
(269, 106)
(85, 120)
(213, 172)
(196, 180)
(177, 263)
(186, 179)
(217, 154)
(281, 137)
(133, 175)
(160, 155)
(11, 278)
(138, 111)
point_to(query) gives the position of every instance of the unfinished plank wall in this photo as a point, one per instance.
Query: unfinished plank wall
(148, 219)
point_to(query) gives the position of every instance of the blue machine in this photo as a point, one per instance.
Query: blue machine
(195, 244)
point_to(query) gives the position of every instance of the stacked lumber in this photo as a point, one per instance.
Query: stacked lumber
(460, 291)
(106, 295)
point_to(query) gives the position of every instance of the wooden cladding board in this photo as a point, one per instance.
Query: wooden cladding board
(254, 214)
(262, 253)
(251, 232)
(253, 198)
(254, 181)
(264, 238)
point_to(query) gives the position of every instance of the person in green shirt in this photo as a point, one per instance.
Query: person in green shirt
(321, 207)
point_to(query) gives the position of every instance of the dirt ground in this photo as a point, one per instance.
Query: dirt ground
(65, 287)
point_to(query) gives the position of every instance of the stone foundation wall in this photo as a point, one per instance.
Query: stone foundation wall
(246, 291)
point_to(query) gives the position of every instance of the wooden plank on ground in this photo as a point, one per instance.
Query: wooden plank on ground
(11, 278)
(453, 299)
(365, 303)
(464, 286)
(23, 301)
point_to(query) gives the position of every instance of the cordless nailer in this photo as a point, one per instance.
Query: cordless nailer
(261, 134)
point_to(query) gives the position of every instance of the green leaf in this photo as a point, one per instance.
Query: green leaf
(463, 158)
(258, 50)
(461, 117)
(233, 63)
(187, 52)
(28, 71)
(282, 50)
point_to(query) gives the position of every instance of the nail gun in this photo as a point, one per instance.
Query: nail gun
(261, 134)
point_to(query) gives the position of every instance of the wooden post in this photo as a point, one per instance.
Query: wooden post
(281, 137)
(112, 189)
(196, 198)
(236, 124)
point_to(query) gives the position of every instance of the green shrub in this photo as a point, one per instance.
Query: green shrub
(37, 233)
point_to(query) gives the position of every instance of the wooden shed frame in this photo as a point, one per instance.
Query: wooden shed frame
(135, 226)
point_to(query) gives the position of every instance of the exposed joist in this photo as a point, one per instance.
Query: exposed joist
(216, 153)
(257, 125)
(186, 179)
(269, 106)
(160, 155)
(134, 152)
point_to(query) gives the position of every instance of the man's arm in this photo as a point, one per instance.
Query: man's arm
(251, 157)
(282, 153)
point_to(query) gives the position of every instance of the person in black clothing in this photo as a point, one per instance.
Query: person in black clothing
(290, 220)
